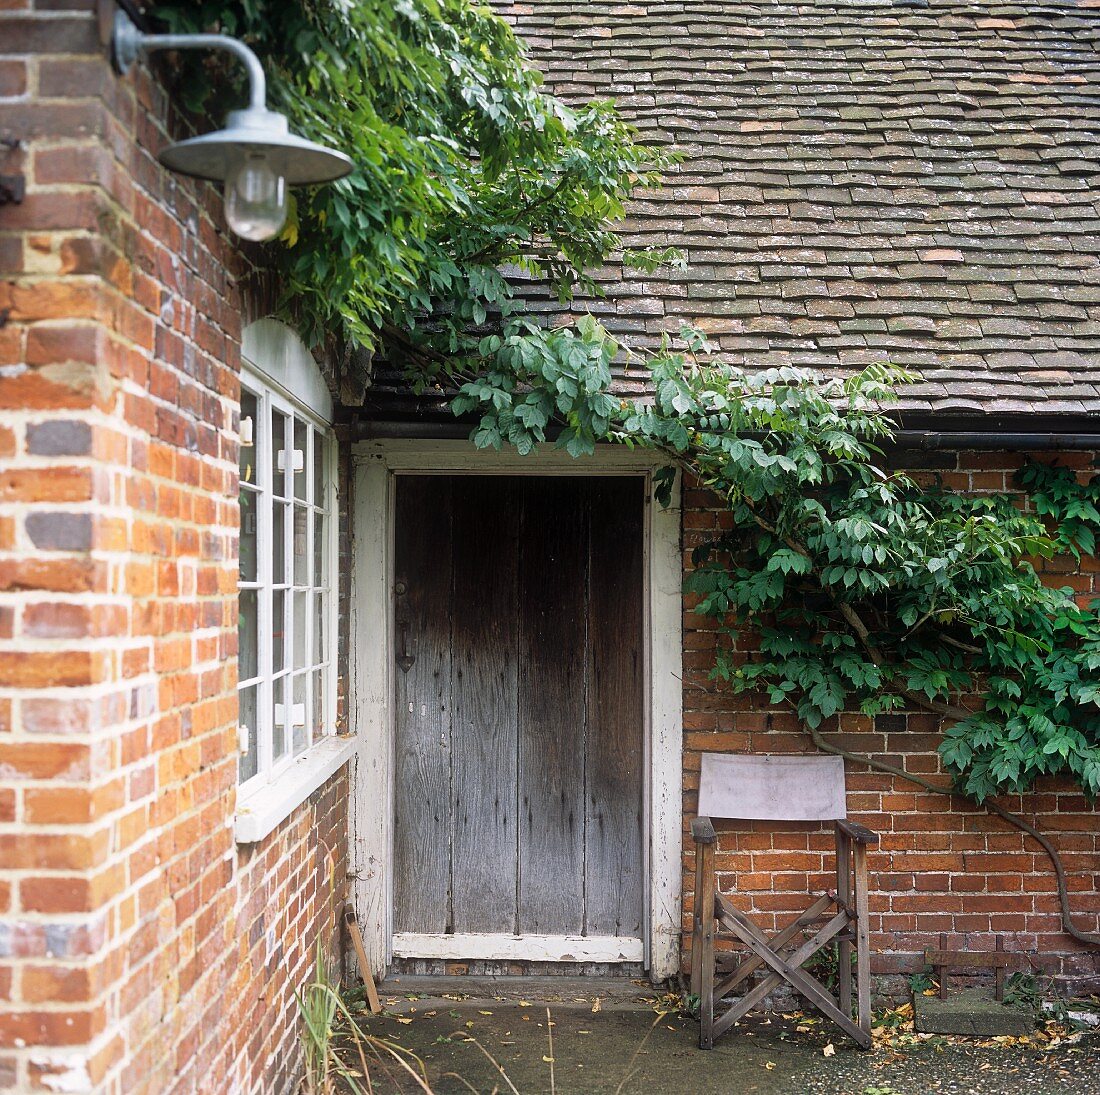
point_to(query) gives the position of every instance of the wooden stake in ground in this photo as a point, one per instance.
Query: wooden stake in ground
(361, 954)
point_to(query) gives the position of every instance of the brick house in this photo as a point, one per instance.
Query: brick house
(247, 630)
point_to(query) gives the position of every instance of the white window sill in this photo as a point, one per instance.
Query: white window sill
(261, 810)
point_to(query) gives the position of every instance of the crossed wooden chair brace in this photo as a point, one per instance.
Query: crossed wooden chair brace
(781, 788)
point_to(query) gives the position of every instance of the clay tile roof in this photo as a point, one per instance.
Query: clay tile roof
(912, 180)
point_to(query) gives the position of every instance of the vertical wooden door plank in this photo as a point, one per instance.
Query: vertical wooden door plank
(614, 856)
(422, 777)
(553, 550)
(484, 683)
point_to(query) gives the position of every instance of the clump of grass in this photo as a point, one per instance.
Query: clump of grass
(343, 1059)
(331, 1038)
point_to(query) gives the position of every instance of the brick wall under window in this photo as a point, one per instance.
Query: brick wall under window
(943, 865)
(140, 949)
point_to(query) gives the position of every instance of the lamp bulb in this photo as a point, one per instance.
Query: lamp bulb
(255, 198)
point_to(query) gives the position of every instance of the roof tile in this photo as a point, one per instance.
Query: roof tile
(862, 179)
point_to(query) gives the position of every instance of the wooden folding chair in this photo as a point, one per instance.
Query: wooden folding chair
(781, 788)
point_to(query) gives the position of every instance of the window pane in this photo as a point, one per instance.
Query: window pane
(320, 578)
(278, 543)
(248, 635)
(247, 548)
(301, 630)
(250, 437)
(319, 448)
(279, 734)
(278, 453)
(301, 546)
(320, 654)
(318, 704)
(300, 736)
(248, 759)
(301, 452)
(278, 631)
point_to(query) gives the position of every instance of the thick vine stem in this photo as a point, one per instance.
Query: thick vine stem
(1089, 938)
(945, 710)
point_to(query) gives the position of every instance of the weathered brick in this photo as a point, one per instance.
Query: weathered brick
(59, 437)
(53, 531)
(13, 78)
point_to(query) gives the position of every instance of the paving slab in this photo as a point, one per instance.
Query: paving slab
(971, 1012)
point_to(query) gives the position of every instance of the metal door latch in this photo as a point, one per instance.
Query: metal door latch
(405, 660)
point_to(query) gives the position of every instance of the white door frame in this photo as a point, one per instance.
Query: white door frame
(375, 465)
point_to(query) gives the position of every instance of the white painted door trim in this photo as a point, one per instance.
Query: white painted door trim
(520, 948)
(375, 465)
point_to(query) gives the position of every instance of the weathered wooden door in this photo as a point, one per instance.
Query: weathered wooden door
(520, 730)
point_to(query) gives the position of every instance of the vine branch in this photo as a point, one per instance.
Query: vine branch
(937, 707)
(789, 453)
(1089, 938)
(946, 710)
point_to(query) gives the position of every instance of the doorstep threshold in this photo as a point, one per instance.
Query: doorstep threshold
(572, 992)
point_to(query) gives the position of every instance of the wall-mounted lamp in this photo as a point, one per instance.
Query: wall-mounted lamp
(255, 155)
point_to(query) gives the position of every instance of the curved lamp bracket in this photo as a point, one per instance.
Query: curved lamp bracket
(128, 44)
(254, 130)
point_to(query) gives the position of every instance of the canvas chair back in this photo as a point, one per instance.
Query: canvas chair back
(772, 788)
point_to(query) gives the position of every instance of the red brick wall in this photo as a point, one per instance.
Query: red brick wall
(942, 864)
(140, 949)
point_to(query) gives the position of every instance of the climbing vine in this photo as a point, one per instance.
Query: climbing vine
(465, 166)
(838, 584)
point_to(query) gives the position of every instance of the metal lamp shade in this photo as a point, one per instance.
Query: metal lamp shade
(213, 155)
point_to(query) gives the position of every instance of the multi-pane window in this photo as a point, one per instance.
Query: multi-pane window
(286, 674)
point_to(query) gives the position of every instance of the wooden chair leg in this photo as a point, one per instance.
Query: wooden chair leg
(697, 924)
(863, 941)
(844, 947)
(704, 900)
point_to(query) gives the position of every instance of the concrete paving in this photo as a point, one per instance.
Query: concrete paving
(625, 1048)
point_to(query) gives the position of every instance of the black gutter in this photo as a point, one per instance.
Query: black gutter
(989, 440)
(365, 429)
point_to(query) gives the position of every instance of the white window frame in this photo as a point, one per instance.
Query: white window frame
(278, 371)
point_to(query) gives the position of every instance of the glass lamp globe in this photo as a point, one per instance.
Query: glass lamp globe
(255, 198)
